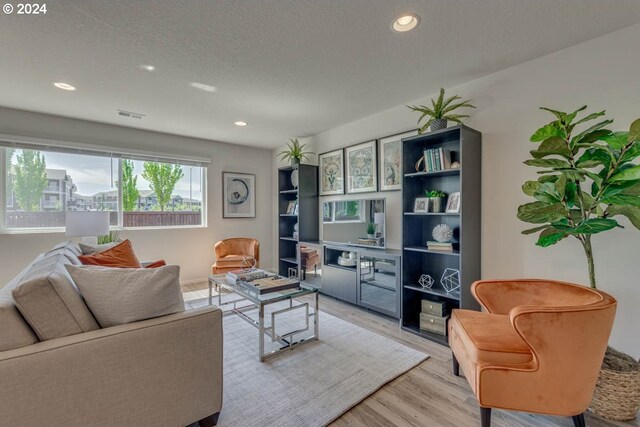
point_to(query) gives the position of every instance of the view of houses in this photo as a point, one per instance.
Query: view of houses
(60, 194)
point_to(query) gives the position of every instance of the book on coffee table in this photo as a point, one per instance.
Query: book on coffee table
(270, 284)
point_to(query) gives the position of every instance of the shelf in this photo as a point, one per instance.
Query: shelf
(429, 251)
(292, 239)
(288, 215)
(435, 291)
(432, 213)
(290, 260)
(445, 172)
(294, 191)
(343, 267)
(440, 339)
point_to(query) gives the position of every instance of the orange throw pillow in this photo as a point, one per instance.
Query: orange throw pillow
(121, 255)
(156, 264)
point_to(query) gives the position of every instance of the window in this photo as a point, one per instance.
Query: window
(350, 210)
(42, 185)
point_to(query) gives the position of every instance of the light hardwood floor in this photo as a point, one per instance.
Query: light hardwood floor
(428, 395)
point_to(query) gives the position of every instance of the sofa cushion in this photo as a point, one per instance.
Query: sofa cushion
(49, 301)
(125, 295)
(120, 256)
(14, 331)
(91, 249)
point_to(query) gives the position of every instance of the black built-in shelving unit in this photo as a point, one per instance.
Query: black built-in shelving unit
(465, 146)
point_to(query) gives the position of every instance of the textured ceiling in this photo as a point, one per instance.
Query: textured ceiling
(287, 67)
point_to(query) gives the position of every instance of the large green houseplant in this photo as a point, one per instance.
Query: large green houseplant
(587, 179)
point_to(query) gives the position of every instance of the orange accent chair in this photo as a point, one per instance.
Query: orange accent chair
(231, 252)
(538, 347)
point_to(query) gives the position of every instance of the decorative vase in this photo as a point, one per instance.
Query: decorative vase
(438, 124)
(437, 204)
(296, 161)
(371, 236)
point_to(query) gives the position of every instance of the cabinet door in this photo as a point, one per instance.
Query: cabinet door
(339, 282)
(378, 284)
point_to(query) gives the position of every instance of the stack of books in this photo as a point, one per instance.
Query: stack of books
(437, 159)
(237, 276)
(439, 246)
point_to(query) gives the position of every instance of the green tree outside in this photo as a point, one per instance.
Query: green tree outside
(9, 156)
(130, 193)
(30, 180)
(162, 178)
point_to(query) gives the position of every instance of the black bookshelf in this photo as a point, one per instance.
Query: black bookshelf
(465, 146)
(307, 215)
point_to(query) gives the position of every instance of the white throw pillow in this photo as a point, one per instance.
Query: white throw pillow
(125, 295)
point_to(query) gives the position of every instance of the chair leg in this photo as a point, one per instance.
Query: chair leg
(578, 420)
(485, 417)
(209, 421)
(456, 365)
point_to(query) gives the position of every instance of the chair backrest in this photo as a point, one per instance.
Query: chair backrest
(568, 339)
(238, 246)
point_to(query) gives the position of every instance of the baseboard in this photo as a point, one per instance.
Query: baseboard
(193, 281)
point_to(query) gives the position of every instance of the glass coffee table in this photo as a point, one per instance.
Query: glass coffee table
(286, 341)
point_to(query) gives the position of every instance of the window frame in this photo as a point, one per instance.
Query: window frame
(120, 157)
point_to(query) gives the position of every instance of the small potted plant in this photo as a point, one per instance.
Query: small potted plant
(295, 152)
(436, 200)
(440, 112)
(371, 230)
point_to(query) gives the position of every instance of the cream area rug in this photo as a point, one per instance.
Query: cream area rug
(310, 385)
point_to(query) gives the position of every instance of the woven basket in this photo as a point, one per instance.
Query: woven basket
(617, 394)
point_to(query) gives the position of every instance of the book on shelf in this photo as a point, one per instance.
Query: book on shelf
(439, 246)
(437, 159)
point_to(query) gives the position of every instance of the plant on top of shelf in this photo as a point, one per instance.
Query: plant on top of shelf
(587, 179)
(441, 111)
(295, 152)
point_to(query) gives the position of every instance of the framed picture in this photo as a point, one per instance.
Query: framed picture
(331, 167)
(453, 204)
(362, 168)
(421, 205)
(238, 195)
(291, 207)
(391, 160)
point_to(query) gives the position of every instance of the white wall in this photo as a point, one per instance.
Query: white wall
(191, 248)
(602, 73)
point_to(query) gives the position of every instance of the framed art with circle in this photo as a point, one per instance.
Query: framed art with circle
(238, 195)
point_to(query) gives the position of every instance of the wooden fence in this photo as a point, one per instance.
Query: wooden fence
(130, 219)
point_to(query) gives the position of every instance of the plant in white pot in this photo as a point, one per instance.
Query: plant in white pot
(588, 178)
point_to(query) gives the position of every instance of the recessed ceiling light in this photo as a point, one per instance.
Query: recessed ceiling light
(148, 67)
(202, 86)
(240, 123)
(405, 23)
(64, 86)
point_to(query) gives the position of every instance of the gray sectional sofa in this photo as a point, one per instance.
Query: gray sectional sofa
(59, 368)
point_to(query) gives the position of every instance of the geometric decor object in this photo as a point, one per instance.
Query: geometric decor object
(426, 281)
(248, 263)
(442, 233)
(450, 280)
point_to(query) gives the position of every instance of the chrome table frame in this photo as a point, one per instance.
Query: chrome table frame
(287, 341)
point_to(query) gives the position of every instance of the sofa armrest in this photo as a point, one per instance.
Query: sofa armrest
(163, 371)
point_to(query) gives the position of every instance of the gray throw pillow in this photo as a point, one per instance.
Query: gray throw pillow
(90, 249)
(125, 295)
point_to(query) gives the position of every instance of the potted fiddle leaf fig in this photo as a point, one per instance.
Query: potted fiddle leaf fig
(440, 112)
(295, 152)
(588, 179)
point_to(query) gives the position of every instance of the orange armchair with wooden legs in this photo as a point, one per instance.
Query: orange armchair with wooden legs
(231, 252)
(537, 347)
